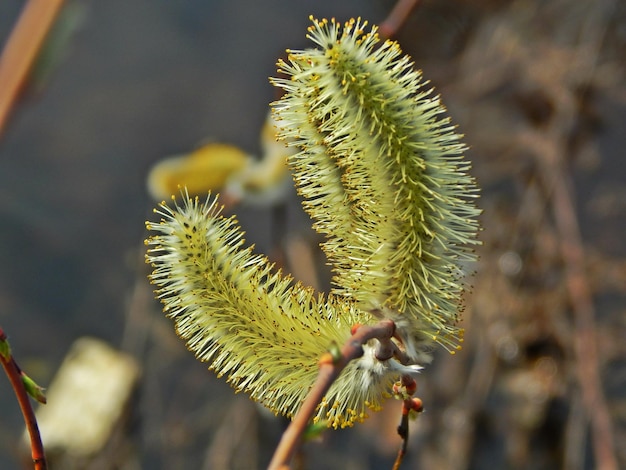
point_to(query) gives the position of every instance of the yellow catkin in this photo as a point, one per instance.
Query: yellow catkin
(381, 172)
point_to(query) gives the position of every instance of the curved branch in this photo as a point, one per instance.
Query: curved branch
(15, 377)
(330, 368)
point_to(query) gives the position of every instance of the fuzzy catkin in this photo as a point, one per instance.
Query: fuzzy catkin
(249, 322)
(382, 174)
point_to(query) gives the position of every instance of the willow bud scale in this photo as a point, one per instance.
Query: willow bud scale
(382, 174)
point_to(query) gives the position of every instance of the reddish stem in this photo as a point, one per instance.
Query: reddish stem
(398, 16)
(15, 377)
(21, 50)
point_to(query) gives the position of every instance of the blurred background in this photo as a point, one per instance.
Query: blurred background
(538, 89)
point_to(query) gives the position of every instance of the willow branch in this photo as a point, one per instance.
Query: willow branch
(16, 378)
(329, 370)
(585, 342)
(409, 404)
(21, 50)
(397, 17)
(551, 148)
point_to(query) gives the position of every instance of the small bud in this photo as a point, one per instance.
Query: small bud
(326, 359)
(5, 348)
(34, 390)
(315, 430)
(405, 388)
(335, 352)
(354, 328)
(417, 405)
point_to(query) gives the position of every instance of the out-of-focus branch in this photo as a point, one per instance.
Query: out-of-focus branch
(550, 146)
(396, 18)
(19, 382)
(585, 343)
(21, 50)
(330, 366)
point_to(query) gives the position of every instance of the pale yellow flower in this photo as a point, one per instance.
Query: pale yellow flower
(382, 174)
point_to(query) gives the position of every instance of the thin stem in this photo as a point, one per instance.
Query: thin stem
(14, 374)
(585, 342)
(398, 16)
(330, 368)
(407, 389)
(403, 432)
(21, 50)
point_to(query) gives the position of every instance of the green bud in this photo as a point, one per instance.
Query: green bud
(34, 390)
(5, 348)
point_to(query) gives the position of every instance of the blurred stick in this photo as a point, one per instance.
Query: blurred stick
(18, 382)
(330, 366)
(396, 19)
(585, 342)
(575, 434)
(549, 146)
(21, 50)
(233, 442)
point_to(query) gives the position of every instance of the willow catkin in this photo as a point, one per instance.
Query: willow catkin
(382, 174)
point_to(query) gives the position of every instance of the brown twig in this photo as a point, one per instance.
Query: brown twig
(409, 404)
(585, 343)
(21, 50)
(15, 376)
(403, 431)
(329, 369)
(551, 146)
(398, 16)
